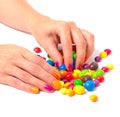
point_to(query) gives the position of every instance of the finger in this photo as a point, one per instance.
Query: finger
(16, 83)
(38, 61)
(64, 33)
(80, 43)
(28, 78)
(90, 41)
(35, 70)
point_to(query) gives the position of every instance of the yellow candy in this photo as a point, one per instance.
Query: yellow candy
(75, 75)
(63, 91)
(110, 66)
(70, 92)
(77, 71)
(103, 54)
(90, 73)
(93, 98)
(78, 89)
(67, 84)
(62, 84)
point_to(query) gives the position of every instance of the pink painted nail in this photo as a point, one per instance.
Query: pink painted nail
(48, 87)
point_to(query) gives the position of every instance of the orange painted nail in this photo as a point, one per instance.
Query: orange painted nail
(56, 84)
(86, 58)
(57, 75)
(34, 89)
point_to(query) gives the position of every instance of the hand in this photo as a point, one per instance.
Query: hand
(23, 70)
(49, 33)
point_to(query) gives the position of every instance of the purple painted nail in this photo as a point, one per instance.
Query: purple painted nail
(70, 67)
(48, 87)
(57, 64)
(79, 67)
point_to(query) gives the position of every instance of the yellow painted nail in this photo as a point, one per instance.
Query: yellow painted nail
(34, 89)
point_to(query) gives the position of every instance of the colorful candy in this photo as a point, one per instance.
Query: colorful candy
(94, 98)
(85, 78)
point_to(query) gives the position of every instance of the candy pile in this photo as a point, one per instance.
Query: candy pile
(85, 78)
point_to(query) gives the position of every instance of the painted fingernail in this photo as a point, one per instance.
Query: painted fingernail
(56, 84)
(79, 67)
(86, 58)
(34, 89)
(57, 75)
(48, 87)
(57, 64)
(70, 67)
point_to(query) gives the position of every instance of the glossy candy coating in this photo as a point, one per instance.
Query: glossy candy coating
(94, 98)
(89, 85)
(98, 58)
(93, 66)
(37, 50)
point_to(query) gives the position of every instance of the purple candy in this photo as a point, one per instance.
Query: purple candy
(96, 82)
(98, 58)
(86, 66)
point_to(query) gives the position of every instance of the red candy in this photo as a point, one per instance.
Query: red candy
(37, 50)
(100, 78)
(108, 51)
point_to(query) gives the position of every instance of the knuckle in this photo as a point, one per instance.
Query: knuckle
(92, 37)
(83, 42)
(63, 26)
(72, 23)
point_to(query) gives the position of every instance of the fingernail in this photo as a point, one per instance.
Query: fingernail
(34, 89)
(79, 67)
(86, 58)
(56, 84)
(57, 75)
(70, 67)
(48, 87)
(57, 64)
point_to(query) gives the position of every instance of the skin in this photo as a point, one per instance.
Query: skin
(22, 69)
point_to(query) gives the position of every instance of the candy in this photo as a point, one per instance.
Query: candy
(93, 66)
(70, 92)
(103, 54)
(37, 50)
(98, 58)
(108, 51)
(93, 98)
(70, 81)
(89, 85)
(110, 66)
(78, 89)
(78, 82)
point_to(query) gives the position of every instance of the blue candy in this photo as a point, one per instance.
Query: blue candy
(89, 85)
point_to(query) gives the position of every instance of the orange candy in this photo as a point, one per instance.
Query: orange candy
(93, 98)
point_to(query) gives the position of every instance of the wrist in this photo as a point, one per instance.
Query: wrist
(34, 20)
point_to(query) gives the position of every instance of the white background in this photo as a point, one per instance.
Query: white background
(101, 17)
